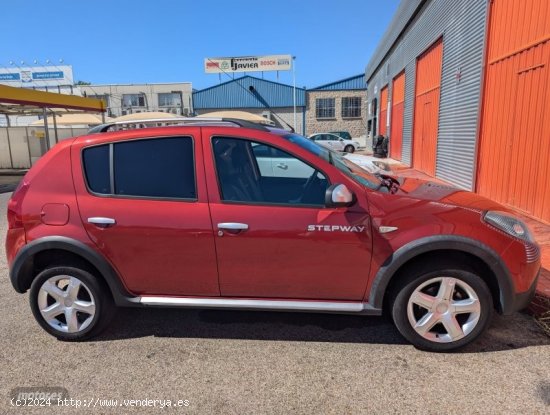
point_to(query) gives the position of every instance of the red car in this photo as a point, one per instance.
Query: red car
(183, 216)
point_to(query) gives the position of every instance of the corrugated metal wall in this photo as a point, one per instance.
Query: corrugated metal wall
(514, 152)
(383, 119)
(396, 123)
(461, 23)
(248, 92)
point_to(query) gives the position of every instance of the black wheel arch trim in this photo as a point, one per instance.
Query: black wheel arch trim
(445, 242)
(22, 265)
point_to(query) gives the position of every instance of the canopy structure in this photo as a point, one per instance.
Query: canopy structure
(25, 101)
(145, 115)
(28, 101)
(74, 119)
(240, 115)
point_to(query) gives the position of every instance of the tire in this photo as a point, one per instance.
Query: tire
(51, 289)
(349, 149)
(441, 327)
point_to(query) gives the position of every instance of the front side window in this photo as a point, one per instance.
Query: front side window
(351, 107)
(149, 168)
(244, 176)
(324, 108)
(350, 169)
(133, 100)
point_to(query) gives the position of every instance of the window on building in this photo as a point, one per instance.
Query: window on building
(169, 99)
(324, 108)
(351, 107)
(159, 168)
(133, 100)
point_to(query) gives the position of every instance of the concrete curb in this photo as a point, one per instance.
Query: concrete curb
(13, 172)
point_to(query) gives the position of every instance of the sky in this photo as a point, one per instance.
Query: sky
(108, 41)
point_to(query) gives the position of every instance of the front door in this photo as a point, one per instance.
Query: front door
(145, 208)
(274, 237)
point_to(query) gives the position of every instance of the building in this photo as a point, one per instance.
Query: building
(272, 100)
(123, 99)
(462, 89)
(338, 106)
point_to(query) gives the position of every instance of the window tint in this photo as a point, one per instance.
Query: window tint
(96, 168)
(261, 150)
(244, 177)
(161, 167)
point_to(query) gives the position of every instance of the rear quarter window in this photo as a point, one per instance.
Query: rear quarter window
(96, 168)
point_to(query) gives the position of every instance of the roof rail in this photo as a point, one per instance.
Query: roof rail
(103, 128)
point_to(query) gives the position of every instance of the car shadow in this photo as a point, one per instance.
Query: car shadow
(505, 333)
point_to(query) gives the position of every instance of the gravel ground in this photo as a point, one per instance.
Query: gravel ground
(245, 362)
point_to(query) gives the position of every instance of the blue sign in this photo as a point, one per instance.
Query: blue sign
(47, 75)
(9, 77)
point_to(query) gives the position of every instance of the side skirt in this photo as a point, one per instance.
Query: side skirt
(268, 305)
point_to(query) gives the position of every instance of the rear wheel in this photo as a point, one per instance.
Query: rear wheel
(442, 310)
(349, 149)
(70, 303)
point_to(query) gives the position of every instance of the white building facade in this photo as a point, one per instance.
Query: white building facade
(123, 99)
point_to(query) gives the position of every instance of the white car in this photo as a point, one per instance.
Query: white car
(275, 163)
(336, 143)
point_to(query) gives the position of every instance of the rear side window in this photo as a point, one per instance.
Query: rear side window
(96, 167)
(156, 168)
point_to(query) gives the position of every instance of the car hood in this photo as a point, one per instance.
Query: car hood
(443, 193)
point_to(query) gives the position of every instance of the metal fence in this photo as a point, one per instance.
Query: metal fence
(20, 147)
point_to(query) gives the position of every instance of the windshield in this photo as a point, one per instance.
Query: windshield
(347, 167)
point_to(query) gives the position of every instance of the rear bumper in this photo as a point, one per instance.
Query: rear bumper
(522, 300)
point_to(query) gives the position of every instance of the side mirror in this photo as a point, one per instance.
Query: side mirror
(340, 139)
(338, 195)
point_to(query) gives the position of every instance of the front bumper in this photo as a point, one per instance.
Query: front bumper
(522, 300)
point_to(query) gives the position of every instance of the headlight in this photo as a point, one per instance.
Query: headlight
(509, 224)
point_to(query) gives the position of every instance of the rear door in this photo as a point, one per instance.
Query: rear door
(143, 203)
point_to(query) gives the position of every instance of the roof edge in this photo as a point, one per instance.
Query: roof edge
(349, 78)
(405, 13)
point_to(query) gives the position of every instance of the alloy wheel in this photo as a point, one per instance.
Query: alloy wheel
(66, 304)
(443, 309)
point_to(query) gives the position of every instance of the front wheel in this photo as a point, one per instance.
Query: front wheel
(349, 149)
(70, 303)
(442, 310)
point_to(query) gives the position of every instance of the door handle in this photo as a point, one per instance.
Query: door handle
(102, 222)
(282, 166)
(231, 227)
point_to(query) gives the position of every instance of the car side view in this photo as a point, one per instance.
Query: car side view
(333, 141)
(203, 215)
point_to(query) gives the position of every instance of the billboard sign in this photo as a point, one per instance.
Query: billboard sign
(39, 76)
(248, 64)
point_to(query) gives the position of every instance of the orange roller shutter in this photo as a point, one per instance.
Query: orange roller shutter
(426, 108)
(396, 124)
